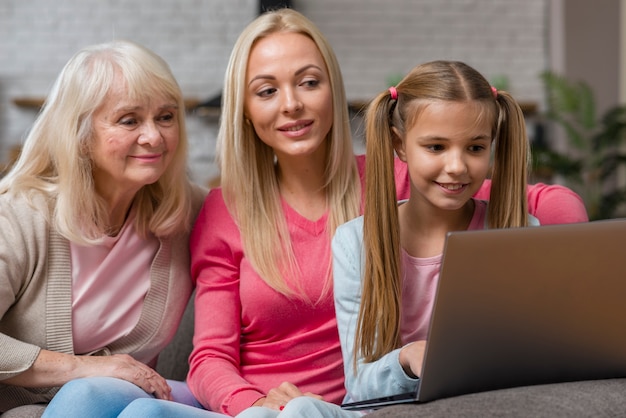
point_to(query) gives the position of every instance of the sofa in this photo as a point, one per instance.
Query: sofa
(600, 398)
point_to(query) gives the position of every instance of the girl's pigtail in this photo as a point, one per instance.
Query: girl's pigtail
(508, 204)
(379, 314)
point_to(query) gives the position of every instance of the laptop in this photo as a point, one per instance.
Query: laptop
(524, 306)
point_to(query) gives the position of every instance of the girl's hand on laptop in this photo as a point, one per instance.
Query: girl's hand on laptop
(412, 357)
(278, 397)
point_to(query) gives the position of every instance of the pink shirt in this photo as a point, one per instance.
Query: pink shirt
(109, 284)
(419, 285)
(249, 338)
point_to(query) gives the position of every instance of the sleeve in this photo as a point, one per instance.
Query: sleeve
(403, 182)
(549, 203)
(20, 257)
(214, 373)
(555, 204)
(385, 376)
(401, 175)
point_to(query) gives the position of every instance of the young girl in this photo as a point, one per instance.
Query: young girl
(451, 128)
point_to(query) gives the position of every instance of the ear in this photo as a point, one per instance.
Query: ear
(398, 144)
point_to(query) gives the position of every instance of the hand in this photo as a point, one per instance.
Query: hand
(123, 366)
(55, 369)
(278, 397)
(412, 358)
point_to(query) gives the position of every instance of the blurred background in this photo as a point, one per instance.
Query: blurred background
(564, 60)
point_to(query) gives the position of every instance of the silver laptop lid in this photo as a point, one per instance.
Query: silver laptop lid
(528, 306)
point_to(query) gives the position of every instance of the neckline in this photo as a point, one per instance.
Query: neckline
(313, 227)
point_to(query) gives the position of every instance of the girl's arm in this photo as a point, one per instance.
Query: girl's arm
(369, 380)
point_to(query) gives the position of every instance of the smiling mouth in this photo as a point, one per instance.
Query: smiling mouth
(296, 128)
(452, 186)
(148, 157)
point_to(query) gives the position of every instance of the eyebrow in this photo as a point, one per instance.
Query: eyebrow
(132, 108)
(271, 77)
(440, 138)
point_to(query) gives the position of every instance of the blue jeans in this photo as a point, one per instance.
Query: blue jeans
(157, 408)
(107, 397)
(301, 407)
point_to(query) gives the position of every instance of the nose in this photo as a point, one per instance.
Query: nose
(455, 163)
(150, 134)
(290, 101)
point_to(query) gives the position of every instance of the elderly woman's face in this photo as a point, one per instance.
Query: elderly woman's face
(134, 141)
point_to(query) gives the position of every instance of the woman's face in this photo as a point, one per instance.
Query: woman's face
(134, 141)
(448, 152)
(288, 96)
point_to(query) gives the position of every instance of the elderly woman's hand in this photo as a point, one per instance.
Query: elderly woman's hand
(55, 369)
(123, 366)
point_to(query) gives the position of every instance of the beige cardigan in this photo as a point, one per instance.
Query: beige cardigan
(36, 297)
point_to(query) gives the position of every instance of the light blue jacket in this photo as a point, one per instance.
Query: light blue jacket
(384, 377)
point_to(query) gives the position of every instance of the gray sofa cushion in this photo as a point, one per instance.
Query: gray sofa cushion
(173, 360)
(598, 398)
(27, 411)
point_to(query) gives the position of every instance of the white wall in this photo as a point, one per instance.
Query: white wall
(373, 39)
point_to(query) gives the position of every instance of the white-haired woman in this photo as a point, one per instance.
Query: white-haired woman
(95, 218)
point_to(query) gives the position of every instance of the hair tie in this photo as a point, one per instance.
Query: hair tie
(495, 92)
(394, 93)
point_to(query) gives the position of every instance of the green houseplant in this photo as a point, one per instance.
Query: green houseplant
(596, 146)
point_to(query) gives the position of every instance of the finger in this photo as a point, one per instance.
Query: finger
(164, 393)
(153, 383)
(290, 390)
(275, 399)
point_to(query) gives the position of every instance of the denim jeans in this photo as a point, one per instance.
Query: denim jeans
(302, 406)
(107, 397)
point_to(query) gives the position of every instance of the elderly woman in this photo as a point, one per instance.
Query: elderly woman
(94, 225)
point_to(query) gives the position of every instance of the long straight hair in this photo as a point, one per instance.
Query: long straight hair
(247, 165)
(55, 159)
(378, 330)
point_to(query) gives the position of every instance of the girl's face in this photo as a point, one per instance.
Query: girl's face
(447, 151)
(288, 97)
(134, 141)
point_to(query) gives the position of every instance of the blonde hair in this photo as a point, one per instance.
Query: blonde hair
(380, 311)
(55, 159)
(247, 165)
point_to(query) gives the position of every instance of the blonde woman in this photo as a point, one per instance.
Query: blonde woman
(95, 218)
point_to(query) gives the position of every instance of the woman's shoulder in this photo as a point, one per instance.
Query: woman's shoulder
(35, 204)
(23, 217)
(215, 216)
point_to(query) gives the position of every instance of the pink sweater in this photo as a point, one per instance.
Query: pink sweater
(249, 339)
